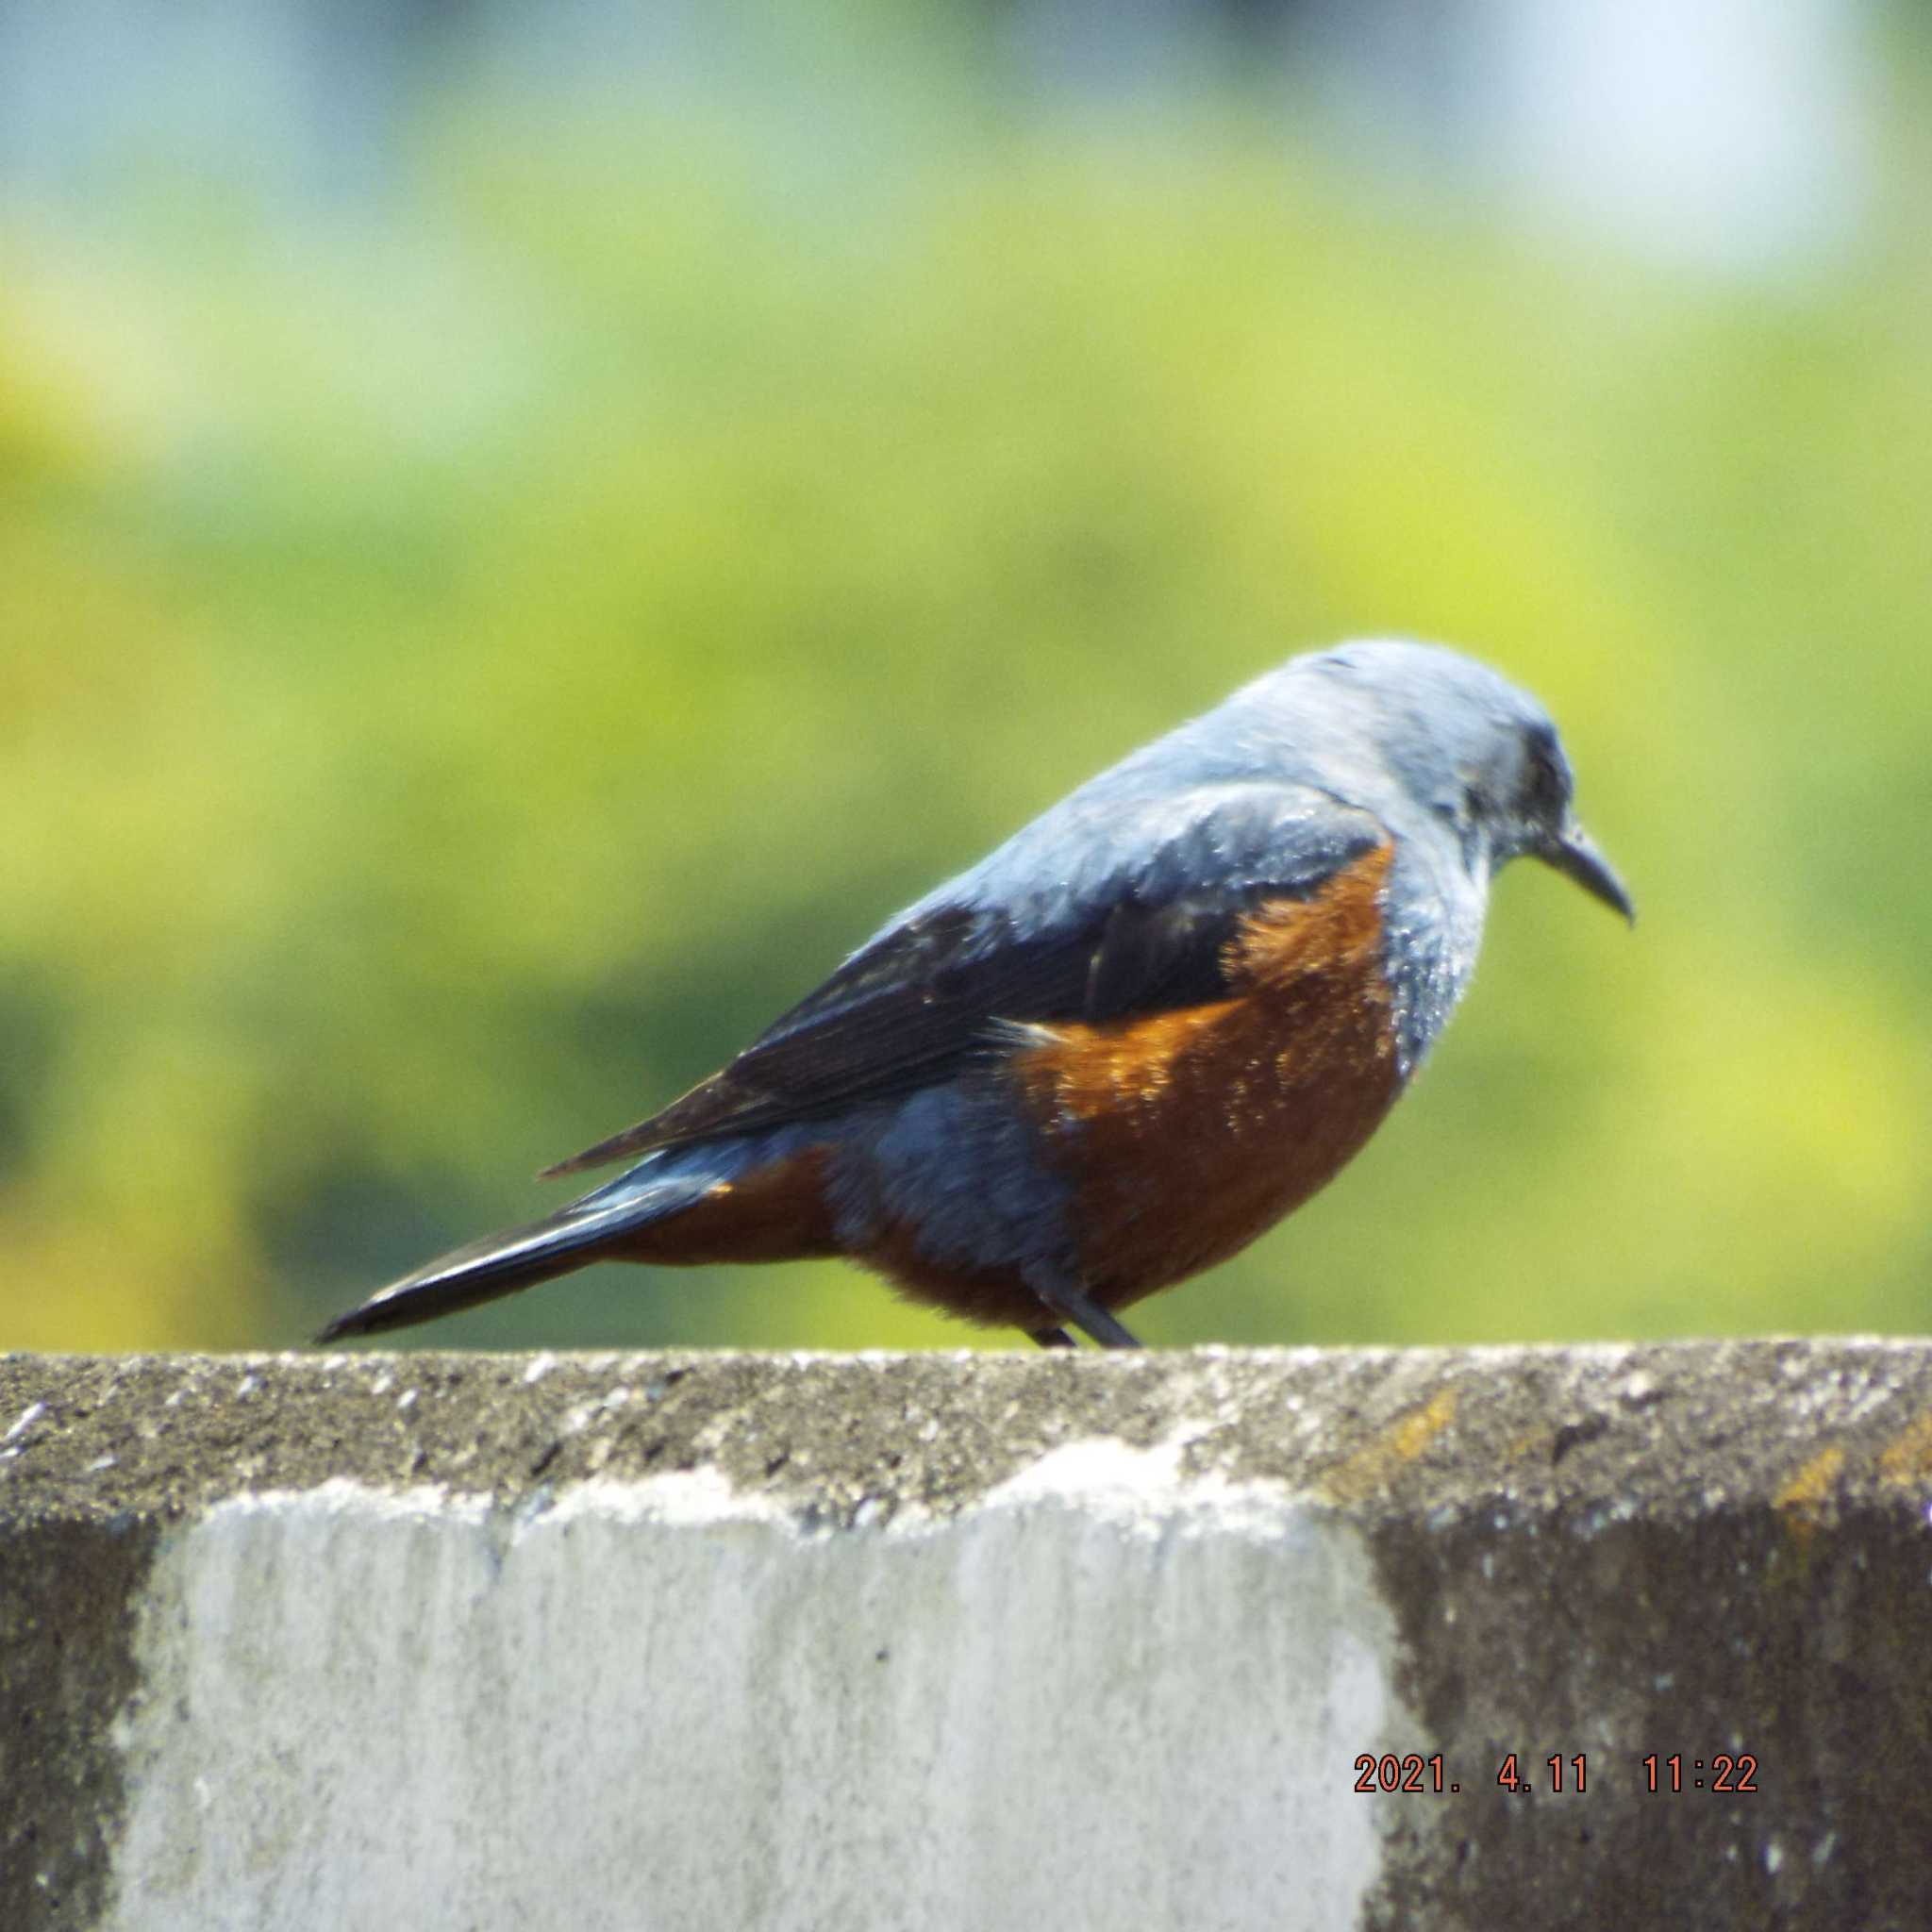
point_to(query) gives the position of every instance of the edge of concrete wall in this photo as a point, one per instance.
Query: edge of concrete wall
(703, 1640)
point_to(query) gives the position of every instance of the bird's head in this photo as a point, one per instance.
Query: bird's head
(1470, 748)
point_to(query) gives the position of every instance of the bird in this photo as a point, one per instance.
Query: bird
(1151, 1023)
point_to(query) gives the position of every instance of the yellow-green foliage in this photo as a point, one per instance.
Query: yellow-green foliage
(462, 674)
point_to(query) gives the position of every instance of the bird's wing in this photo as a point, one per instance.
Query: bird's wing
(1092, 915)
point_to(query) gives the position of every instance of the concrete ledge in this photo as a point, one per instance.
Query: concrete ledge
(967, 1640)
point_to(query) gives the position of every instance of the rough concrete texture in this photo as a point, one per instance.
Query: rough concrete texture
(967, 1640)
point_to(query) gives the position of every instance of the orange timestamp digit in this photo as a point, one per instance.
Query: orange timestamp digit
(1728, 1770)
(1561, 1779)
(1390, 1773)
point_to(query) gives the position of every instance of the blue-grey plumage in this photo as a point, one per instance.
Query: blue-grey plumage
(1137, 1032)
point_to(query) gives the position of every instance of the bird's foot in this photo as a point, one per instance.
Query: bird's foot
(1067, 1299)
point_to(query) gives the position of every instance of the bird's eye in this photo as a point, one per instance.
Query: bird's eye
(1546, 788)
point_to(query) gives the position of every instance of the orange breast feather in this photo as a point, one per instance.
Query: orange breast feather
(1187, 1133)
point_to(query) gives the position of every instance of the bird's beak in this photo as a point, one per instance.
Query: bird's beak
(1575, 853)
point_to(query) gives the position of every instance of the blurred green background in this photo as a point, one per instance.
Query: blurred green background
(485, 624)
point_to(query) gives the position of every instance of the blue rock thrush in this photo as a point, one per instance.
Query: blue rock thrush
(1108, 1056)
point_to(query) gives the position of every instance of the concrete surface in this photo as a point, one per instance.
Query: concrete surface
(697, 1642)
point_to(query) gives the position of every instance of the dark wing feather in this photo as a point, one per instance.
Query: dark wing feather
(926, 998)
(1151, 957)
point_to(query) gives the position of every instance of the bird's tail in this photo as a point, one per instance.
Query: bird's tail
(503, 1262)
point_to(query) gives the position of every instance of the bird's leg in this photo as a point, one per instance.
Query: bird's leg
(1066, 1298)
(1050, 1337)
